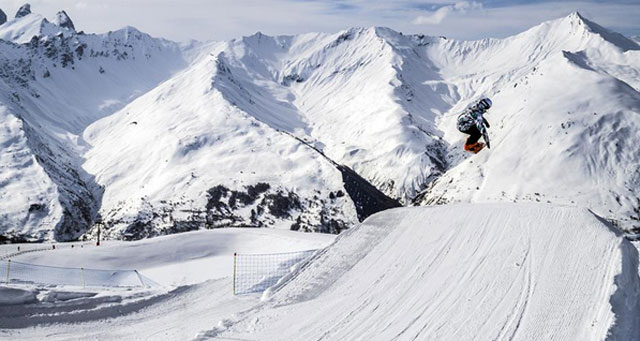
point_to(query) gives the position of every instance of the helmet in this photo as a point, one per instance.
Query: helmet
(485, 103)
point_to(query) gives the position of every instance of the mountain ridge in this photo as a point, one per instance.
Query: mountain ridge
(182, 149)
(49, 87)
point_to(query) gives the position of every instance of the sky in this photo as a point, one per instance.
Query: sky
(184, 20)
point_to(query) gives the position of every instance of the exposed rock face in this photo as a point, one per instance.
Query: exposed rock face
(257, 205)
(3, 17)
(368, 199)
(63, 20)
(23, 11)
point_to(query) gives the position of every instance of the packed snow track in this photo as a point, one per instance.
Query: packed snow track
(193, 270)
(458, 272)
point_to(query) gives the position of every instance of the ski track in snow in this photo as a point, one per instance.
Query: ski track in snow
(193, 268)
(174, 315)
(471, 272)
(465, 271)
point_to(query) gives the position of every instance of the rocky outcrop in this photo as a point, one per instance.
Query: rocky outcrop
(367, 198)
(23, 11)
(3, 17)
(62, 19)
(257, 205)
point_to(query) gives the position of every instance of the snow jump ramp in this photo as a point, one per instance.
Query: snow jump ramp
(459, 272)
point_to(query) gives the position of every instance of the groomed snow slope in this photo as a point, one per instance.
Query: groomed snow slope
(199, 262)
(179, 259)
(459, 272)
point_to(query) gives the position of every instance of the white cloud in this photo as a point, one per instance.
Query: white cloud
(436, 17)
(433, 19)
(466, 5)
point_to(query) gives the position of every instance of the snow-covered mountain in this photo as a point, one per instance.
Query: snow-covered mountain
(293, 131)
(566, 120)
(64, 164)
(55, 82)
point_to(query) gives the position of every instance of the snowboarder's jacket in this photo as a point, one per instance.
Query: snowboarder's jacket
(472, 116)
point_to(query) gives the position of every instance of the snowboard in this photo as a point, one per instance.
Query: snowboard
(478, 148)
(475, 148)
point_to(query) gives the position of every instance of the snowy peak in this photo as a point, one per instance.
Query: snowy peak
(24, 10)
(26, 25)
(22, 29)
(612, 37)
(63, 20)
(331, 66)
(579, 26)
(578, 18)
(261, 38)
(573, 32)
(130, 34)
(576, 23)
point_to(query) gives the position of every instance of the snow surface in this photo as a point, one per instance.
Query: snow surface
(179, 259)
(21, 30)
(195, 269)
(458, 272)
(13, 296)
(462, 271)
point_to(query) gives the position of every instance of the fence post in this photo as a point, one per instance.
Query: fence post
(140, 278)
(235, 266)
(84, 283)
(8, 269)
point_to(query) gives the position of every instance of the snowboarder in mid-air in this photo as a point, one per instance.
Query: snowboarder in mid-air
(473, 123)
